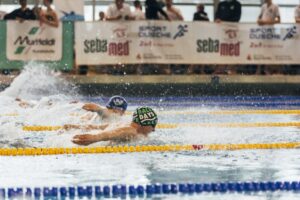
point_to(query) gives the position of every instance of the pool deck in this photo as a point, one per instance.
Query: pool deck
(181, 84)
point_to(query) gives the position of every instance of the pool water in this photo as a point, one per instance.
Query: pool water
(50, 105)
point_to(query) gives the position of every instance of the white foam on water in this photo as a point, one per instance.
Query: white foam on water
(45, 100)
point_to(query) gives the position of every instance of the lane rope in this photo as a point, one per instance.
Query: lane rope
(115, 191)
(172, 126)
(142, 148)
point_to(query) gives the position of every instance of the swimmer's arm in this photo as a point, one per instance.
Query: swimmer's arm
(92, 107)
(124, 133)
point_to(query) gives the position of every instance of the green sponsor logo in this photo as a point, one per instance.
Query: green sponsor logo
(23, 42)
(33, 30)
(20, 49)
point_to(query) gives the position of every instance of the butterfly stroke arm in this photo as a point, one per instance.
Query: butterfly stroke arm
(92, 107)
(123, 133)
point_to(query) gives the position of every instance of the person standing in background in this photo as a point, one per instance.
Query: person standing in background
(101, 16)
(152, 10)
(200, 15)
(138, 13)
(229, 11)
(49, 15)
(269, 14)
(297, 14)
(173, 13)
(21, 14)
(118, 11)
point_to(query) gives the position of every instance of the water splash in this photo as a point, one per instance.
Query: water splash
(37, 81)
(38, 96)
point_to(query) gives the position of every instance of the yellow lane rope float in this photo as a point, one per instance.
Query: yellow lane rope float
(172, 126)
(143, 148)
(217, 112)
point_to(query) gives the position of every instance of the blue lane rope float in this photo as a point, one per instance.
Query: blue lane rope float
(149, 190)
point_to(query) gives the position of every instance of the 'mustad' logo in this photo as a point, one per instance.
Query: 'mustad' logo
(24, 41)
(21, 48)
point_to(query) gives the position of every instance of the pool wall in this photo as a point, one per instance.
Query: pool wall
(181, 85)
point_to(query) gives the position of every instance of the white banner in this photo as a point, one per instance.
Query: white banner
(185, 42)
(70, 10)
(2, 14)
(29, 41)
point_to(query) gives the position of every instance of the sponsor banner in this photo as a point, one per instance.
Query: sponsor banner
(70, 10)
(29, 41)
(185, 43)
(130, 42)
(2, 14)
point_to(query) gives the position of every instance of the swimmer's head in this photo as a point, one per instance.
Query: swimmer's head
(117, 103)
(145, 116)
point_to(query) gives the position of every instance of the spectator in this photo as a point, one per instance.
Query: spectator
(174, 15)
(49, 16)
(200, 15)
(101, 16)
(297, 14)
(229, 11)
(37, 10)
(22, 13)
(118, 11)
(138, 13)
(269, 14)
(172, 12)
(152, 10)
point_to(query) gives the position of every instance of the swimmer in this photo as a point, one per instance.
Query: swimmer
(116, 105)
(143, 123)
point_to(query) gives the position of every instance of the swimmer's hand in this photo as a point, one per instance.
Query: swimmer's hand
(84, 139)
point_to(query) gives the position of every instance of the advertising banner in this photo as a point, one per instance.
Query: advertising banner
(29, 41)
(70, 10)
(2, 14)
(185, 43)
